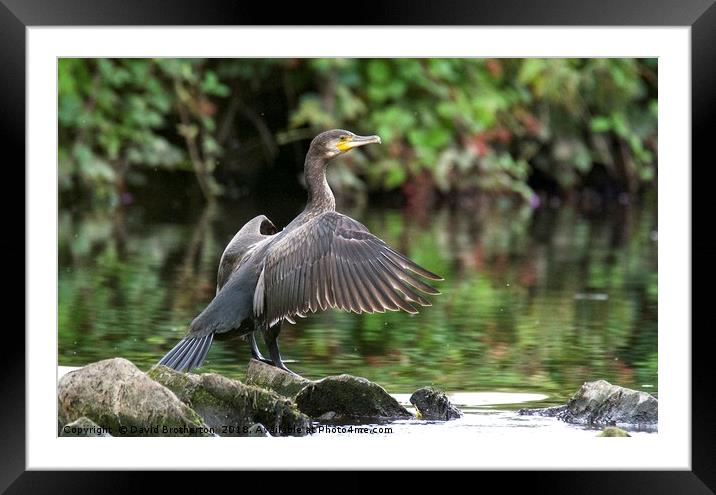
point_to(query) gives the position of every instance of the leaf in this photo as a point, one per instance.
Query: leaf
(601, 124)
(187, 131)
(211, 85)
(378, 71)
(394, 177)
(531, 68)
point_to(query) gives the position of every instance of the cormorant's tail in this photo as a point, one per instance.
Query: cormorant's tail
(189, 353)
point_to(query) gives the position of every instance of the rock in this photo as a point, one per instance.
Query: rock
(258, 430)
(349, 397)
(83, 427)
(601, 403)
(434, 404)
(232, 407)
(267, 376)
(331, 399)
(117, 396)
(612, 431)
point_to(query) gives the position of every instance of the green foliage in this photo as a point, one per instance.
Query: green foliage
(117, 116)
(455, 125)
(478, 124)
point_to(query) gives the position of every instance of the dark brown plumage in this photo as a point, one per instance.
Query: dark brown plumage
(333, 261)
(321, 260)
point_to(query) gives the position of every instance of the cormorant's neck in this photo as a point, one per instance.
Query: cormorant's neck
(320, 196)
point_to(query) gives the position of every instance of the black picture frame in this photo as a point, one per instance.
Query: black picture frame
(17, 15)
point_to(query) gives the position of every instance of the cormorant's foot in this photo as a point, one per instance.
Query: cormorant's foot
(283, 367)
(263, 360)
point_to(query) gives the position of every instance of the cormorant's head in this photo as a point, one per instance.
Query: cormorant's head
(330, 144)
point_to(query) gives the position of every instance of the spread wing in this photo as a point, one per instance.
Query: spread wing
(333, 261)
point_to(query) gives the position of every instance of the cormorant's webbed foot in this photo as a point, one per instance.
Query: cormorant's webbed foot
(283, 367)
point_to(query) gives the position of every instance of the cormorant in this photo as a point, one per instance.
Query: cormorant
(321, 260)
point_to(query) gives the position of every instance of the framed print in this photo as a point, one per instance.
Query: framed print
(497, 278)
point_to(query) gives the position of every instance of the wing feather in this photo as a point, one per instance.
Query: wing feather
(333, 261)
(348, 299)
(359, 294)
(395, 297)
(397, 283)
(360, 276)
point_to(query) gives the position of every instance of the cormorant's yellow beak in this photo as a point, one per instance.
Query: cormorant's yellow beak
(351, 142)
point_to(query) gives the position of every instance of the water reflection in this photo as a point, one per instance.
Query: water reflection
(536, 301)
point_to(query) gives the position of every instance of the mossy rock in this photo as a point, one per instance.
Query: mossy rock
(612, 431)
(266, 376)
(119, 397)
(349, 397)
(231, 407)
(433, 404)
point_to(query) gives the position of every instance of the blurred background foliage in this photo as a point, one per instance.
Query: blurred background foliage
(451, 128)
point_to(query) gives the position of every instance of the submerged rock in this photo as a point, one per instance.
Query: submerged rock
(549, 412)
(434, 404)
(349, 397)
(601, 403)
(267, 376)
(83, 427)
(119, 397)
(612, 431)
(231, 407)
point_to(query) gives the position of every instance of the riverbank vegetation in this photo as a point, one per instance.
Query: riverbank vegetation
(450, 127)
